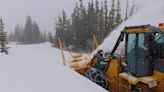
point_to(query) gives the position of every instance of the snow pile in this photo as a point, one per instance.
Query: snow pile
(152, 14)
(38, 68)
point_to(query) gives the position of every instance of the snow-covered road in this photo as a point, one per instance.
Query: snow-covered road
(38, 68)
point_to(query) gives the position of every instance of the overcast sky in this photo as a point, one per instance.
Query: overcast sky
(44, 12)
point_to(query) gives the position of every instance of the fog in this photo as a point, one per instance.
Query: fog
(44, 12)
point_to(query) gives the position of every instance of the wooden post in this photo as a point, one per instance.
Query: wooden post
(62, 52)
(95, 41)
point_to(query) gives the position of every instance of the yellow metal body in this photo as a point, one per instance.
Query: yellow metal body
(162, 28)
(123, 82)
(86, 66)
(137, 30)
(154, 83)
(77, 58)
(113, 74)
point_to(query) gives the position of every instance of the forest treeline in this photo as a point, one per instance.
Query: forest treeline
(29, 33)
(96, 17)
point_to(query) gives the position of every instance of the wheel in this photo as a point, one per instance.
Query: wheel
(98, 77)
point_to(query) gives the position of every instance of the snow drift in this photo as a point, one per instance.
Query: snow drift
(38, 68)
(153, 13)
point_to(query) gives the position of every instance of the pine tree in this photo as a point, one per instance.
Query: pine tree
(36, 33)
(43, 37)
(106, 16)
(118, 19)
(3, 39)
(111, 18)
(99, 18)
(86, 21)
(21, 40)
(50, 38)
(17, 35)
(30, 34)
(91, 25)
(97, 12)
(28, 30)
(126, 13)
(62, 28)
(77, 24)
(133, 9)
(101, 34)
(10, 37)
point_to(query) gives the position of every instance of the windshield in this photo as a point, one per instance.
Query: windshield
(159, 38)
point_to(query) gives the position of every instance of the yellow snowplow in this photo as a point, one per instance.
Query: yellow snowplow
(140, 69)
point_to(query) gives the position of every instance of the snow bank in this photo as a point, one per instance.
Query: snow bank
(152, 14)
(38, 68)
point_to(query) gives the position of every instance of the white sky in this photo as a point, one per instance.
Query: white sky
(44, 12)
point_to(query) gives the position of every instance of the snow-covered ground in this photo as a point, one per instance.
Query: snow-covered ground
(38, 68)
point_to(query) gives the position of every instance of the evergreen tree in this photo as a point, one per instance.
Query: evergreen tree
(17, 35)
(101, 34)
(118, 19)
(75, 27)
(97, 11)
(62, 28)
(111, 17)
(106, 17)
(126, 13)
(36, 33)
(10, 37)
(28, 31)
(99, 22)
(21, 40)
(43, 37)
(133, 9)
(30, 34)
(86, 21)
(3, 39)
(50, 38)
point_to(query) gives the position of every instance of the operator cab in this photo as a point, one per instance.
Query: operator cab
(144, 49)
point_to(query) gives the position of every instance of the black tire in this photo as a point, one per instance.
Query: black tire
(98, 77)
